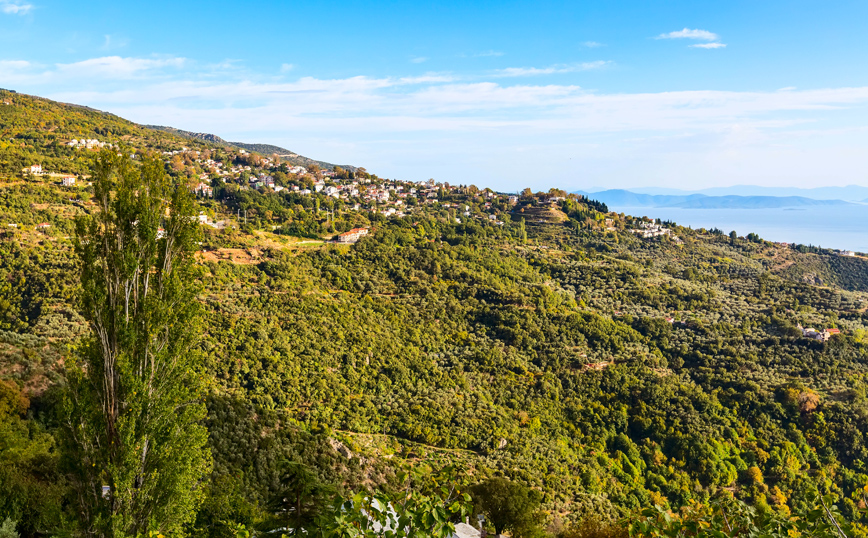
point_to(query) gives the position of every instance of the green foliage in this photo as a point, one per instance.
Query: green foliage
(508, 506)
(427, 505)
(30, 491)
(729, 517)
(300, 501)
(7, 529)
(134, 403)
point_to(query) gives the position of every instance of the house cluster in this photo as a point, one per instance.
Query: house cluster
(649, 229)
(847, 253)
(387, 197)
(204, 189)
(88, 143)
(817, 335)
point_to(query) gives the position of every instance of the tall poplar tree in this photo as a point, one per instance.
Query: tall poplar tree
(135, 399)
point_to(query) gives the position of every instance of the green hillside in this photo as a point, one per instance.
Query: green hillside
(543, 342)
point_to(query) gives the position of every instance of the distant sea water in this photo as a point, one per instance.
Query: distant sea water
(843, 227)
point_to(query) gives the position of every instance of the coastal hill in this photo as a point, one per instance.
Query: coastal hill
(355, 327)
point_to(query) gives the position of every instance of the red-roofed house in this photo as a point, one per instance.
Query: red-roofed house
(353, 235)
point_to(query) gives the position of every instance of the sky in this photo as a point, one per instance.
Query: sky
(508, 95)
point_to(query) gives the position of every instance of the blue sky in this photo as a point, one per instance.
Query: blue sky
(502, 94)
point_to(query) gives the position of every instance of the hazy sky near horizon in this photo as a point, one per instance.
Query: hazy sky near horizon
(678, 94)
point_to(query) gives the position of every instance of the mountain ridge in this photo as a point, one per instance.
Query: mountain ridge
(265, 149)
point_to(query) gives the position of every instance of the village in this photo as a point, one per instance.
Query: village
(358, 190)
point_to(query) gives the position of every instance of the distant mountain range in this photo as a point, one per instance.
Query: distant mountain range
(850, 193)
(265, 149)
(625, 198)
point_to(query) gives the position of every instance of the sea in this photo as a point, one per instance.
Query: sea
(843, 227)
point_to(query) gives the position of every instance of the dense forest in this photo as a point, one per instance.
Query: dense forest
(606, 373)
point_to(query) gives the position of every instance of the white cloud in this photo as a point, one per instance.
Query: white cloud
(592, 44)
(551, 70)
(286, 68)
(117, 67)
(708, 46)
(459, 128)
(687, 33)
(418, 59)
(15, 8)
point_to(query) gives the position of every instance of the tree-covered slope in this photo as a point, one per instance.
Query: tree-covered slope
(606, 371)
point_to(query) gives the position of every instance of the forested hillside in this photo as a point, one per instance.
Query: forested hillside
(546, 343)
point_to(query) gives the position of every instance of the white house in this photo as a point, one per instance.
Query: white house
(67, 181)
(36, 169)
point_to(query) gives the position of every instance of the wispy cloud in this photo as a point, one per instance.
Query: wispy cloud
(286, 68)
(117, 66)
(9, 65)
(15, 8)
(551, 70)
(708, 46)
(592, 44)
(418, 60)
(687, 33)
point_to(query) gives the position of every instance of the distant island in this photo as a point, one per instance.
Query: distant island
(626, 198)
